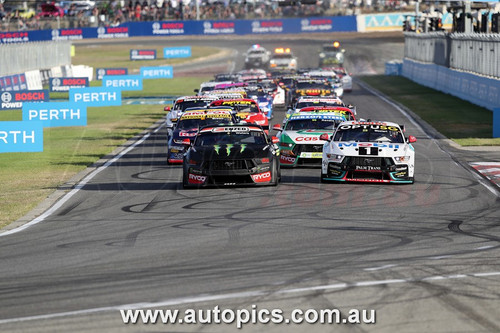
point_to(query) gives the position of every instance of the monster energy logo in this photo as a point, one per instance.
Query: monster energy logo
(228, 148)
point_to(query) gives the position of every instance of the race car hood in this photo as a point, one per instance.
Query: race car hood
(370, 148)
(309, 136)
(231, 151)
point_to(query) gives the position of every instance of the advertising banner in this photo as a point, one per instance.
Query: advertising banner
(177, 52)
(142, 54)
(101, 72)
(160, 72)
(15, 99)
(96, 96)
(64, 83)
(21, 136)
(123, 82)
(56, 114)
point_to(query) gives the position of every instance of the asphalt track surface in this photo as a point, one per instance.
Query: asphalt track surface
(425, 257)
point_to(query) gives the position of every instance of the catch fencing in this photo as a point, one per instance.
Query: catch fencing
(23, 57)
(473, 53)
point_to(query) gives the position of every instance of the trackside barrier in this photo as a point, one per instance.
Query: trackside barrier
(185, 28)
(394, 67)
(496, 122)
(480, 90)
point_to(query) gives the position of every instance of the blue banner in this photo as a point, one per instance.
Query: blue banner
(177, 52)
(123, 82)
(15, 99)
(187, 28)
(160, 72)
(21, 136)
(101, 72)
(57, 84)
(56, 114)
(142, 54)
(96, 96)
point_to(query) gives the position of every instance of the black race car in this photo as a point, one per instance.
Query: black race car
(231, 155)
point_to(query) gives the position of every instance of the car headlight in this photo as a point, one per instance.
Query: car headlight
(335, 157)
(402, 159)
(176, 149)
(321, 55)
(287, 145)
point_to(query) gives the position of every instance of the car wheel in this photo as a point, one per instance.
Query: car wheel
(323, 178)
(275, 175)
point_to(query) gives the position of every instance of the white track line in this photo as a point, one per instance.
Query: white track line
(257, 293)
(77, 187)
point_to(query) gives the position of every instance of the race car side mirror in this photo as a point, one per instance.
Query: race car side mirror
(167, 108)
(412, 139)
(274, 139)
(186, 142)
(324, 137)
(277, 127)
(196, 90)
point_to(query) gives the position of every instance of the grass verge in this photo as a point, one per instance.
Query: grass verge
(28, 178)
(463, 122)
(118, 55)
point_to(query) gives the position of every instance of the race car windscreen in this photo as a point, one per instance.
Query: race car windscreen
(199, 122)
(313, 123)
(369, 133)
(282, 56)
(190, 104)
(313, 85)
(246, 108)
(305, 104)
(225, 138)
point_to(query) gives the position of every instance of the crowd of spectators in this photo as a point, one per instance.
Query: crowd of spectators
(112, 13)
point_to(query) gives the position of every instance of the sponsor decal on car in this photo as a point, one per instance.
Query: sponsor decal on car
(196, 179)
(262, 177)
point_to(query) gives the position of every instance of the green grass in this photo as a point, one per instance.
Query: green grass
(28, 178)
(463, 122)
(109, 55)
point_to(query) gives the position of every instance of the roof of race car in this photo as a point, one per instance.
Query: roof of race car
(212, 113)
(324, 109)
(234, 101)
(367, 123)
(231, 128)
(194, 98)
(314, 115)
(316, 99)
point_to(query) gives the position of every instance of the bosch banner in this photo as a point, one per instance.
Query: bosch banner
(15, 99)
(123, 82)
(142, 54)
(96, 96)
(101, 72)
(21, 136)
(185, 28)
(160, 72)
(64, 83)
(177, 52)
(56, 114)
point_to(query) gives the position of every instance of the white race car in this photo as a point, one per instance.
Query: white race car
(362, 151)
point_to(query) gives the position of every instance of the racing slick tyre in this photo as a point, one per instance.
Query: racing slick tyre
(323, 176)
(276, 175)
